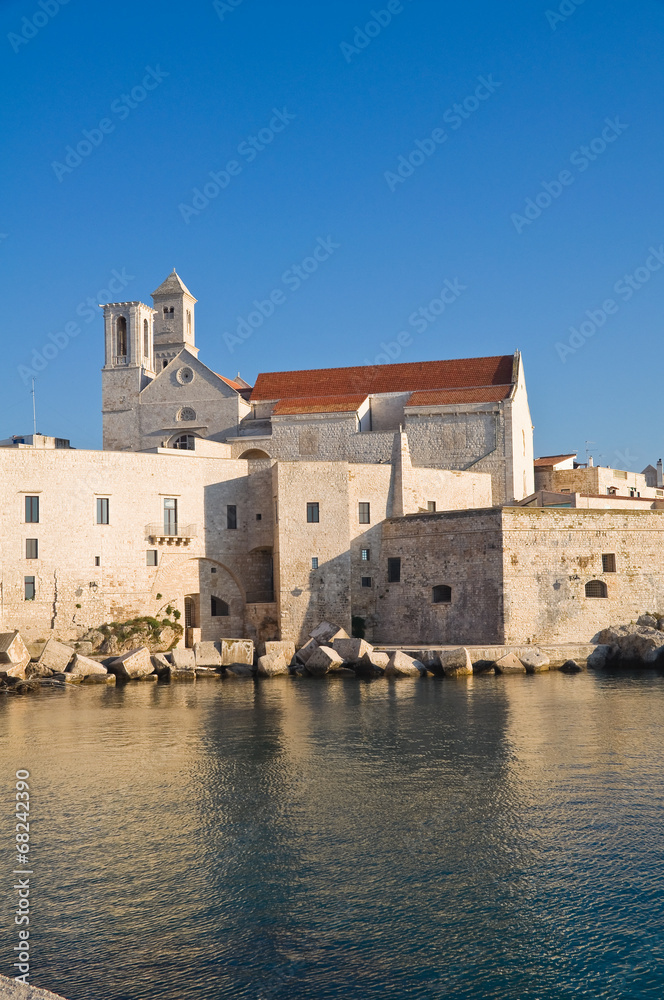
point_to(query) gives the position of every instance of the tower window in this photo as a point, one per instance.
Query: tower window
(442, 594)
(366, 555)
(146, 339)
(394, 570)
(219, 608)
(314, 562)
(596, 588)
(31, 548)
(121, 339)
(188, 322)
(151, 557)
(32, 510)
(97, 560)
(30, 590)
(364, 513)
(102, 510)
(609, 562)
(231, 516)
(313, 513)
(366, 581)
(431, 506)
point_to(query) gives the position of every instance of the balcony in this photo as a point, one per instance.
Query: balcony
(171, 534)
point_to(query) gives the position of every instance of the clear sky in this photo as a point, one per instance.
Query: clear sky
(537, 204)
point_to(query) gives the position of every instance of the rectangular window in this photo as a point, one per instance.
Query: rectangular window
(364, 513)
(31, 548)
(259, 517)
(151, 557)
(312, 513)
(431, 506)
(366, 555)
(30, 592)
(170, 516)
(102, 510)
(609, 562)
(97, 560)
(32, 510)
(394, 570)
(314, 562)
(231, 516)
(366, 581)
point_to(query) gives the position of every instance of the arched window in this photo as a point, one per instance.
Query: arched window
(186, 413)
(596, 588)
(185, 442)
(146, 339)
(442, 594)
(219, 608)
(188, 323)
(121, 337)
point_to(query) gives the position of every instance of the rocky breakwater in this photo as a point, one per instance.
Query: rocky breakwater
(10, 989)
(637, 645)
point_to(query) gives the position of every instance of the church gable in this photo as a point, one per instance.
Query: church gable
(187, 378)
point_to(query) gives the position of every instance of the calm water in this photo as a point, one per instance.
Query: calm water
(490, 838)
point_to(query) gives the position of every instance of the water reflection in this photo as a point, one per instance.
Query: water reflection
(493, 837)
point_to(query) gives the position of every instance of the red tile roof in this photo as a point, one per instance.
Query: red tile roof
(415, 375)
(320, 404)
(447, 397)
(548, 460)
(234, 385)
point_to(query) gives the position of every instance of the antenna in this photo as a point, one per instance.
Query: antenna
(34, 408)
(588, 449)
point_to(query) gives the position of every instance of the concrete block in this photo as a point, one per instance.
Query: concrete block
(324, 632)
(85, 667)
(16, 669)
(351, 650)
(374, 662)
(535, 661)
(241, 670)
(323, 660)
(133, 665)
(282, 646)
(237, 651)
(12, 648)
(207, 654)
(456, 662)
(160, 665)
(306, 651)
(402, 665)
(272, 665)
(54, 658)
(183, 659)
(509, 664)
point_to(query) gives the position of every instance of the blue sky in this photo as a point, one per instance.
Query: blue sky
(534, 85)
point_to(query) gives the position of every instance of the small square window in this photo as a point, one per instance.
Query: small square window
(366, 555)
(364, 513)
(609, 562)
(151, 557)
(431, 506)
(366, 581)
(97, 560)
(231, 516)
(31, 548)
(30, 592)
(313, 513)
(394, 570)
(259, 517)
(314, 562)
(102, 510)
(213, 569)
(32, 510)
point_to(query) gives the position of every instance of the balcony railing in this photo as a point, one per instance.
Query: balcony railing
(172, 534)
(260, 597)
(121, 360)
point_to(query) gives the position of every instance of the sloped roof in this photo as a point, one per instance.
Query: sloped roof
(229, 381)
(548, 460)
(447, 397)
(320, 404)
(173, 285)
(408, 377)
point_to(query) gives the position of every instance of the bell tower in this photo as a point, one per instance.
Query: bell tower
(128, 368)
(174, 326)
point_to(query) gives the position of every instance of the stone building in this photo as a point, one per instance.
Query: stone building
(383, 497)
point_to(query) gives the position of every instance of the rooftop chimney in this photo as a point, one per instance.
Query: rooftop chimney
(590, 461)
